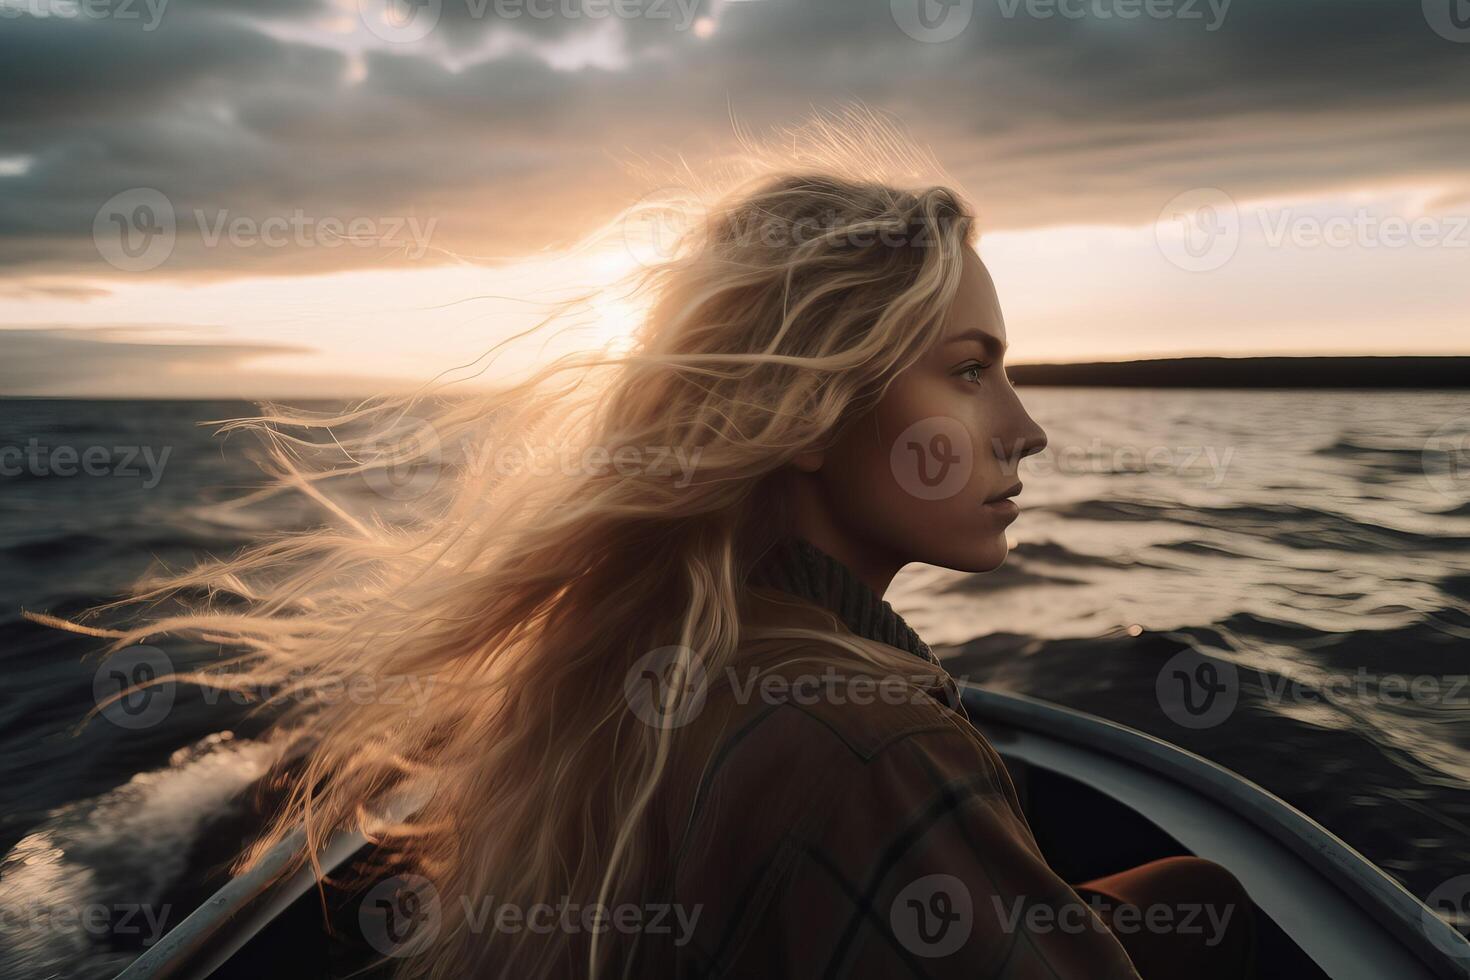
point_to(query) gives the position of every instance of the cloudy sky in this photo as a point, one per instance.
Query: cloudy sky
(270, 197)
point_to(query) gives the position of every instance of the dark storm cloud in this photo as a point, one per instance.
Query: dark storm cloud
(63, 72)
(237, 110)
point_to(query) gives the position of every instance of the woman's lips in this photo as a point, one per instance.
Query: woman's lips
(1004, 507)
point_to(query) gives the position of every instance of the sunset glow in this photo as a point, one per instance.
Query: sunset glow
(373, 197)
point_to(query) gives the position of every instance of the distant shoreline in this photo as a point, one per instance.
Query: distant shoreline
(1366, 371)
(1253, 372)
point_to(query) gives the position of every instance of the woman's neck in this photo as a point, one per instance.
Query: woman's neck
(801, 568)
(813, 522)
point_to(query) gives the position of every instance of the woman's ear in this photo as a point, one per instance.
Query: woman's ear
(809, 462)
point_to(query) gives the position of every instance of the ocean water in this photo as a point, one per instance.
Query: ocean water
(1307, 553)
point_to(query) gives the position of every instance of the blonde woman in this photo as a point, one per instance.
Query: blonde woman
(678, 690)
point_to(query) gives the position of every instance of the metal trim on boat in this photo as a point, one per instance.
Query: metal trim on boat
(1350, 917)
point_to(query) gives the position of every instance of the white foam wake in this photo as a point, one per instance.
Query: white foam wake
(94, 871)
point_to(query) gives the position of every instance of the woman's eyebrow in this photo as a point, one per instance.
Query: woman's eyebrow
(993, 347)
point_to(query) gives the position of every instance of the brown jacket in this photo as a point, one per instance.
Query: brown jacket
(823, 826)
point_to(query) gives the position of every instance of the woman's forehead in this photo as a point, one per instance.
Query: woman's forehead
(976, 307)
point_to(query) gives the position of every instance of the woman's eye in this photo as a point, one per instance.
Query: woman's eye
(972, 373)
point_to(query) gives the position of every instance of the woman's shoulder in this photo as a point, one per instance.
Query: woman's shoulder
(785, 731)
(796, 693)
(788, 657)
(803, 768)
(793, 723)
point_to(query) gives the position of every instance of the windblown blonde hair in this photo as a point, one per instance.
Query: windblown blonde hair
(525, 597)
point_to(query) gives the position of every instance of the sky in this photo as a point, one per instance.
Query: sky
(291, 197)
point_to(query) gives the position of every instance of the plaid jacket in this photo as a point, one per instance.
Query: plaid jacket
(829, 829)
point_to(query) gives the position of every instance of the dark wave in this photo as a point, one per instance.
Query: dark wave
(1352, 594)
(1055, 553)
(1307, 528)
(1347, 448)
(1205, 548)
(1457, 586)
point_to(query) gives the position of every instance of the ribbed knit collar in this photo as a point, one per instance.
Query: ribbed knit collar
(798, 567)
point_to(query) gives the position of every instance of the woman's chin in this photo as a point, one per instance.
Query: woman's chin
(995, 556)
(983, 556)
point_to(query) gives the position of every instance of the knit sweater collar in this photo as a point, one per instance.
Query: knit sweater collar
(798, 567)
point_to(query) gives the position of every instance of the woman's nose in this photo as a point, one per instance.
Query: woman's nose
(1026, 438)
(1034, 440)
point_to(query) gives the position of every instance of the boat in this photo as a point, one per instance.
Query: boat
(1099, 796)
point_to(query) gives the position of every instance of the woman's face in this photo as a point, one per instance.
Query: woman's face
(928, 474)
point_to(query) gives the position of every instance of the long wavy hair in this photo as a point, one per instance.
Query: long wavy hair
(523, 591)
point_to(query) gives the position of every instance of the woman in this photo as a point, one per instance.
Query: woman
(672, 694)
